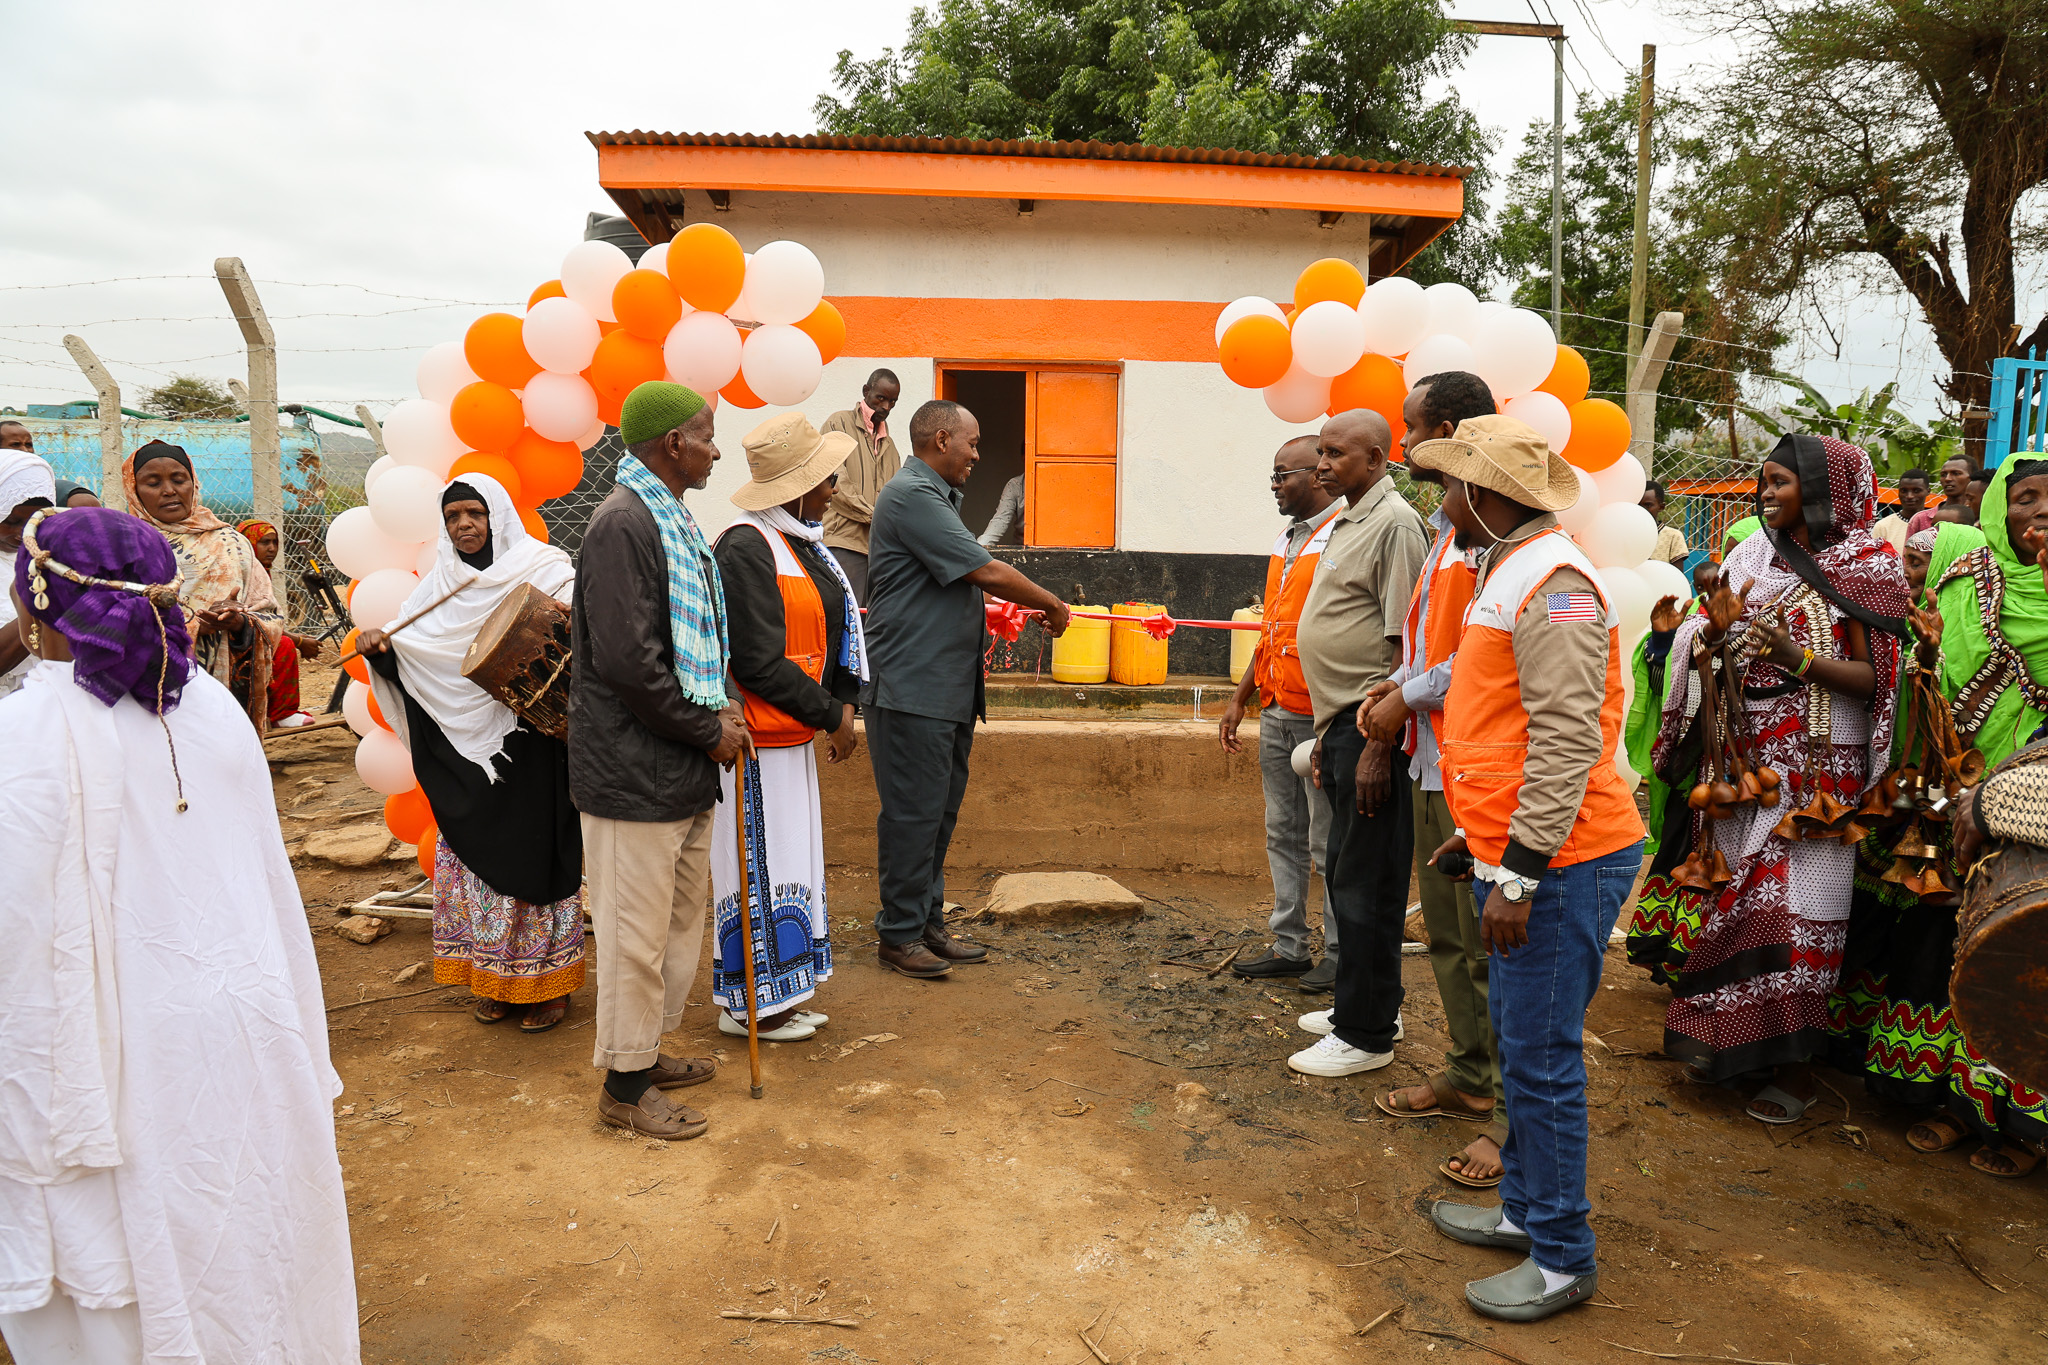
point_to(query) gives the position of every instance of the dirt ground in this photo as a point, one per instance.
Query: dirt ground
(978, 1168)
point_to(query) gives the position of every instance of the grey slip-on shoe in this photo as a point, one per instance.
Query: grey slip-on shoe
(1476, 1226)
(1517, 1295)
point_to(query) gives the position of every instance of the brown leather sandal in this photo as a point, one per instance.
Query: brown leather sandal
(1448, 1103)
(2023, 1158)
(1497, 1134)
(489, 1011)
(544, 1016)
(1941, 1134)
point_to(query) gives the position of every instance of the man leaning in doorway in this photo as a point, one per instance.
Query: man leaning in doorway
(1297, 813)
(1350, 639)
(861, 479)
(1411, 703)
(927, 634)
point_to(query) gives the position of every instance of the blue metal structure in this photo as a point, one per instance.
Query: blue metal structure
(2019, 408)
(69, 438)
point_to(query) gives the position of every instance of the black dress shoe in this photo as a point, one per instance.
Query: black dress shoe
(1270, 964)
(1322, 980)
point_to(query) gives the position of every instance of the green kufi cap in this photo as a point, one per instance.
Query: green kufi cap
(655, 409)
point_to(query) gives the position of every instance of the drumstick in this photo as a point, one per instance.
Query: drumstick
(357, 653)
(739, 784)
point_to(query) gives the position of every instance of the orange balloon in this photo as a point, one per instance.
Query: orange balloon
(611, 407)
(535, 527)
(739, 395)
(408, 816)
(707, 266)
(1600, 435)
(495, 349)
(429, 844)
(551, 290)
(486, 416)
(494, 466)
(1329, 278)
(827, 327)
(646, 304)
(1569, 378)
(623, 362)
(355, 667)
(1256, 351)
(1374, 382)
(547, 469)
(376, 711)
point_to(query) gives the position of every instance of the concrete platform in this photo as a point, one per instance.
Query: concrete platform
(1183, 696)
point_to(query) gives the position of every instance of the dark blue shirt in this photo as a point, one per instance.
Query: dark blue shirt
(926, 629)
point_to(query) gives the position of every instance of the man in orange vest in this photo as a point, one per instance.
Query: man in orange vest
(1531, 726)
(1297, 813)
(1410, 704)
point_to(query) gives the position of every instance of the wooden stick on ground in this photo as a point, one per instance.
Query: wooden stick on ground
(1226, 961)
(1469, 1341)
(1381, 1318)
(378, 1000)
(1968, 1264)
(782, 1316)
(1684, 1355)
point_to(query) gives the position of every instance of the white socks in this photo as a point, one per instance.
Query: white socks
(1507, 1224)
(1552, 1280)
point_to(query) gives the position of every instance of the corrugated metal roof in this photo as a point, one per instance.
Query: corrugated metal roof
(1071, 151)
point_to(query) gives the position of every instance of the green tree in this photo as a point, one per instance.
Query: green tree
(1896, 442)
(1300, 77)
(190, 395)
(1895, 143)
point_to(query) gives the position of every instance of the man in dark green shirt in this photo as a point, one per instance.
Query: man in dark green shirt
(927, 633)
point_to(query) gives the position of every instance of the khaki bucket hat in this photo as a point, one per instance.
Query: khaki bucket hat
(788, 458)
(1505, 455)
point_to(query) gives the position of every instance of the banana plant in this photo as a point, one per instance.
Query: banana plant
(1895, 441)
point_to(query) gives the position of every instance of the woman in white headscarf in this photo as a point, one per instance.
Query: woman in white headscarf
(508, 899)
(26, 484)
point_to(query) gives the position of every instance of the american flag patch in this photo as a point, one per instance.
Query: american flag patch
(1573, 606)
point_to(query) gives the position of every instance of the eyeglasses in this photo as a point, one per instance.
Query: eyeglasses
(1281, 476)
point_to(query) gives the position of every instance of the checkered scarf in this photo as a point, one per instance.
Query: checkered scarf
(696, 598)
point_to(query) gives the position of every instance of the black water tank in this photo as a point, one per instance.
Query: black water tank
(620, 232)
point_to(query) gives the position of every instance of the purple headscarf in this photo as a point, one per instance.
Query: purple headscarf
(118, 638)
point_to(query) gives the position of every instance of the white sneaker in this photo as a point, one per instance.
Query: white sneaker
(813, 1018)
(793, 1029)
(1318, 1021)
(1332, 1056)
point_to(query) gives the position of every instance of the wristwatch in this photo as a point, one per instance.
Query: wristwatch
(1516, 889)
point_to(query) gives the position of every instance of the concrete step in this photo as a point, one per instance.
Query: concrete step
(1183, 696)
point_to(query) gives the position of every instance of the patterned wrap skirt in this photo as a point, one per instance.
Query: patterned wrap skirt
(501, 947)
(786, 884)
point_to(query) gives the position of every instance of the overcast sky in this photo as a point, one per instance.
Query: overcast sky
(435, 151)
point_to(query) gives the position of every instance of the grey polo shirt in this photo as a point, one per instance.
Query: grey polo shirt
(1363, 581)
(926, 628)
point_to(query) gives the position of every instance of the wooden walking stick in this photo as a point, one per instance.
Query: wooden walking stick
(739, 785)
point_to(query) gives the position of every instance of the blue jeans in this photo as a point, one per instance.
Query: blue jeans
(1538, 1001)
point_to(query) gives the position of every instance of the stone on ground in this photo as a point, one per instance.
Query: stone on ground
(1050, 897)
(349, 846)
(363, 928)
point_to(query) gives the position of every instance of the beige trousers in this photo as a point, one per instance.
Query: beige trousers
(650, 882)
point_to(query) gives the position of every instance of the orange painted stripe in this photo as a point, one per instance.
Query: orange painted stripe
(822, 170)
(1031, 329)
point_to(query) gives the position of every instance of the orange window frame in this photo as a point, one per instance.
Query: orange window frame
(1065, 466)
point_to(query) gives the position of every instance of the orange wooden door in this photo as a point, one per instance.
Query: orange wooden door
(1070, 461)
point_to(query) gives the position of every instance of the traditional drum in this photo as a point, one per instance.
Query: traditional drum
(2000, 985)
(521, 657)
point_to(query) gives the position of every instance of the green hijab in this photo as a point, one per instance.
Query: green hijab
(1953, 540)
(2022, 622)
(1742, 530)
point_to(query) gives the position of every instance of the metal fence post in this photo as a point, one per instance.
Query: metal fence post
(112, 492)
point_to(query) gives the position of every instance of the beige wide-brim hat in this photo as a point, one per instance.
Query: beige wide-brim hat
(788, 458)
(1505, 455)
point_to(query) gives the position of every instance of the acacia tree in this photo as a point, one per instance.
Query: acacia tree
(1904, 137)
(190, 395)
(1300, 77)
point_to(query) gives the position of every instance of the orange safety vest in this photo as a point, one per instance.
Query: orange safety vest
(1449, 579)
(1486, 730)
(803, 630)
(1278, 667)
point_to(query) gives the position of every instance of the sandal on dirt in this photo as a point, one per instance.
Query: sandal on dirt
(1945, 1134)
(490, 1011)
(1493, 1131)
(1794, 1107)
(2024, 1160)
(544, 1016)
(1448, 1103)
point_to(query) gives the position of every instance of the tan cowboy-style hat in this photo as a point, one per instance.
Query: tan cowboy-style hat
(788, 458)
(1505, 455)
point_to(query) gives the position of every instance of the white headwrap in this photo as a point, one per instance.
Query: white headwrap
(24, 475)
(430, 650)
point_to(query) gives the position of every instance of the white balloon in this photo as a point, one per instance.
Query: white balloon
(1434, 355)
(376, 472)
(358, 546)
(1579, 515)
(1630, 598)
(1452, 307)
(377, 599)
(383, 763)
(781, 364)
(355, 708)
(590, 435)
(416, 432)
(559, 406)
(703, 351)
(1514, 353)
(1484, 316)
(423, 562)
(1328, 338)
(654, 258)
(1299, 397)
(784, 283)
(443, 372)
(1665, 580)
(561, 334)
(589, 273)
(1395, 312)
(1251, 305)
(1546, 413)
(1620, 536)
(407, 504)
(1621, 482)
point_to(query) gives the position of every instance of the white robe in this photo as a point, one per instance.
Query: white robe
(166, 1098)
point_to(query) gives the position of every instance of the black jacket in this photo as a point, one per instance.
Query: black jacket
(638, 749)
(759, 634)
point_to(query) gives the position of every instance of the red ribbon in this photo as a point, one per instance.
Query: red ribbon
(1006, 621)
